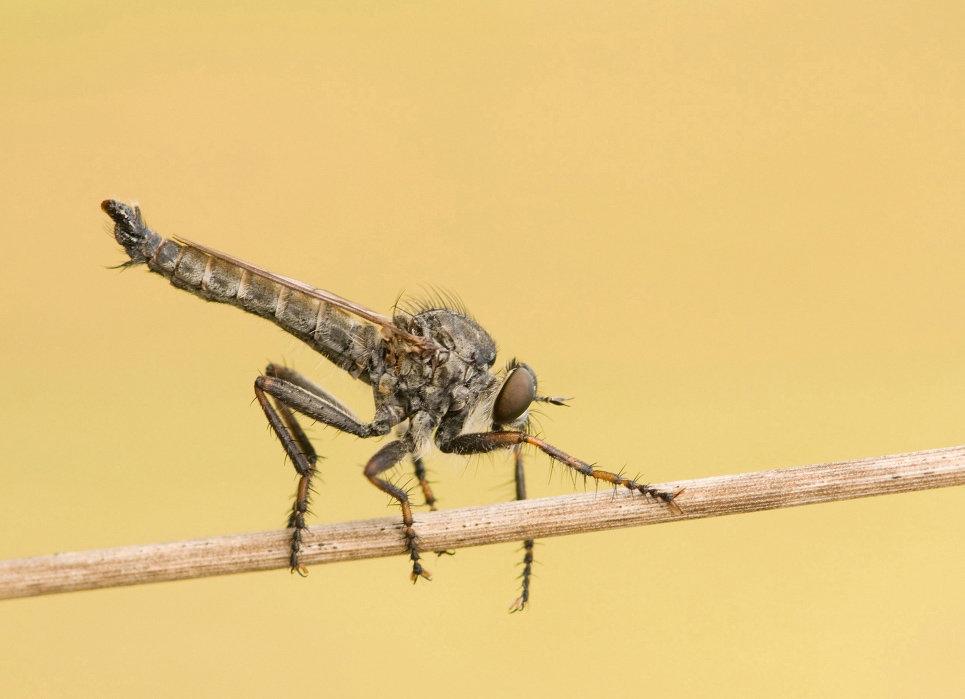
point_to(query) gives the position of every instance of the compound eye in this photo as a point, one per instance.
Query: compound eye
(514, 397)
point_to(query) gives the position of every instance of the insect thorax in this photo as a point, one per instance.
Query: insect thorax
(451, 379)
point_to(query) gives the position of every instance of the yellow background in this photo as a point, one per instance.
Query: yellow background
(733, 231)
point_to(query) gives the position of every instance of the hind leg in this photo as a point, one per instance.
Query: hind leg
(282, 391)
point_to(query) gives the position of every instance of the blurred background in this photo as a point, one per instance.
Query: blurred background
(733, 232)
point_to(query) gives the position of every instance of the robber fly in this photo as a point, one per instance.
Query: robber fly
(431, 374)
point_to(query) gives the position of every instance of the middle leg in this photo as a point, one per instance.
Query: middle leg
(384, 459)
(420, 473)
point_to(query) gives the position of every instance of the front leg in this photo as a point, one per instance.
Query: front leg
(485, 442)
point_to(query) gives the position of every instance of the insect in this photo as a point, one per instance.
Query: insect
(431, 373)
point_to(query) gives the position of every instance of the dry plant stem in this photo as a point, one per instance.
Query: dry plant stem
(490, 524)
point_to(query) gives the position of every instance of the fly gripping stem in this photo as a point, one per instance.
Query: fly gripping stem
(402, 351)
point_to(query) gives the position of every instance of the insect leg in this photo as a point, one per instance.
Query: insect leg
(420, 473)
(291, 376)
(318, 405)
(384, 459)
(523, 598)
(484, 442)
(296, 392)
(303, 456)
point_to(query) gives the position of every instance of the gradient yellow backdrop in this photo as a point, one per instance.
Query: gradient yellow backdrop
(733, 231)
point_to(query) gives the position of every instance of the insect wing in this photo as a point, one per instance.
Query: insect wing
(321, 294)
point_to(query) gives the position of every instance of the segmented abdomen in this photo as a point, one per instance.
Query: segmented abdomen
(339, 336)
(330, 330)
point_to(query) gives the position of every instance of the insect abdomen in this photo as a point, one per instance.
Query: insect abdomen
(328, 329)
